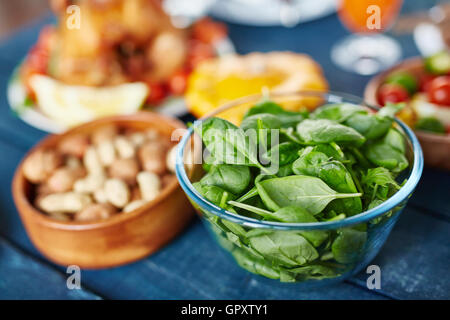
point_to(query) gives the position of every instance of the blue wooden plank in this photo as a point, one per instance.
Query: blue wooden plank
(415, 259)
(23, 277)
(195, 267)
(433, 193)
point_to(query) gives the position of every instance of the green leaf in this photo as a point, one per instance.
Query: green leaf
(348, 245)
(307, 192)
(284, 248)
(214, 194)
(327, 131)
(430, 124)
(232, 178)
(337, 112)
(254, 264)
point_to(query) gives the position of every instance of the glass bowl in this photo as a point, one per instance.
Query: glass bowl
(230, 230)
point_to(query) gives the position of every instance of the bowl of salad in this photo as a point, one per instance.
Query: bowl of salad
(306, 197)
(423, 84)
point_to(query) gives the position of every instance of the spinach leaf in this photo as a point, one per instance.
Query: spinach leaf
(229, 144)
(370, 126)
(307, 192)
(313, 271)
(326, 131)
(284, 248)
(287, 118)
(214, 194)
(283, 153)
(382, 154)
(255, 264)
(337, 112)
(348, 245)
(232, 178)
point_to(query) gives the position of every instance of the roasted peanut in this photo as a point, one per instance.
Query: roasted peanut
(170, 159)
(74, 145)
(117, 192)
(124, 147)
(40, 164)
(95, 212)
(133, 205)
(137, 138)
(62, 179)
(105, 133)
(91, 161)
(100, 196)
(69, 202)
(152, 135)
(90, 183)
(149, 185)
(106, 152)
(125, 169)
(152, 157)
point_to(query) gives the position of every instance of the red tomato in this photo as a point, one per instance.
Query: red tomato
(425, 81)
(208, 31)
(392, 93)
(157, 92)
(199, 52)
(178, 82)
(439, 91)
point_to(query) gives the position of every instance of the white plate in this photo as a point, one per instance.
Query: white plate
(29, 112)
(272, 12)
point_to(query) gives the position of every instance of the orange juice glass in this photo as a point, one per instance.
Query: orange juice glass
(367, 51)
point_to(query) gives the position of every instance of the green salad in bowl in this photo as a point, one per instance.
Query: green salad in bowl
(306, 196)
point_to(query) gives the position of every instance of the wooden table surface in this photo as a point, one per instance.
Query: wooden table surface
(414, 261)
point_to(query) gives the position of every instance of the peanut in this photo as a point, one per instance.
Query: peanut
(124, 147)
(170, 159)
(100, 196)
(137, 138)
(149, 185)
(62, 179)
(74, 145)
(125, 169)
(91, 161)
(69, 202)
(152, 135)
(105, 133)
(106, 152)
(117, 192)
(95, 212)
(90, 183)
(40, 164)
(133, 205)
(152, 157)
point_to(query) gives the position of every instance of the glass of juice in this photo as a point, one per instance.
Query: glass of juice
(367, 50)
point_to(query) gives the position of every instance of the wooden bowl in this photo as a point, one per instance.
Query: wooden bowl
(121, 239)
(436, 148)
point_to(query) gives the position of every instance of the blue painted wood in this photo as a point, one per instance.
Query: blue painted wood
(23, 277)
(414, 261)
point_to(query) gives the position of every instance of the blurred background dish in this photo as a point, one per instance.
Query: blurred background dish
(272, 12)
(122, 49)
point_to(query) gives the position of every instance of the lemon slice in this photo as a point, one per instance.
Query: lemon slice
(71, 105)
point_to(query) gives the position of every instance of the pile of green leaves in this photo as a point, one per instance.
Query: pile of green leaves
(335, 162)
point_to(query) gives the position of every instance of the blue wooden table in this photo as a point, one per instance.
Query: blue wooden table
(414, 262)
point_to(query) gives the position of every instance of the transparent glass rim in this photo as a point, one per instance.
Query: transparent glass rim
(335, 97)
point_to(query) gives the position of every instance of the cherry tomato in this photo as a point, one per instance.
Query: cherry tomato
(208, 31)
(392, 93)
(425, 81)
(178, 82)
(157, 92)
(439, 91)
(199, 52)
